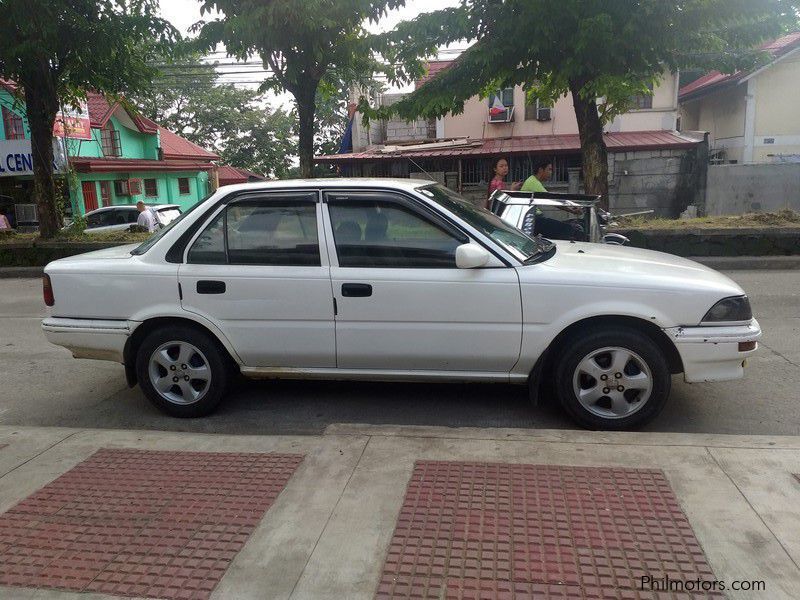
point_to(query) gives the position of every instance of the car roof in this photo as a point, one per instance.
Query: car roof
(129, 207)
(332, 182)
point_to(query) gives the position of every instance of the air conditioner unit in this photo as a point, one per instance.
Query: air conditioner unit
(544, 113)
(134, 187)
(502, 117)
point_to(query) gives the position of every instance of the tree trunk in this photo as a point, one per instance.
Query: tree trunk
(306, 107)
(594, 155)
(41, 104)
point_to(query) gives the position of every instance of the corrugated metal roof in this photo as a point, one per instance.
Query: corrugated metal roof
(174, 146)
(553, 144)
(716, 79)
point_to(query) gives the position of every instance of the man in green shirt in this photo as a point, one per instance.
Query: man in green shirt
(545, 226)
(542, 171)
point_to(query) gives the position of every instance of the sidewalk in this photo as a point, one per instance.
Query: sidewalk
(368, 512)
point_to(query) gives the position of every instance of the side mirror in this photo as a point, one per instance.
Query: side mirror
(471, 256)
(615, 239)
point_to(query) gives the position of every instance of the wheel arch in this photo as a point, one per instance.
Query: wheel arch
(545, 362)
(148, 326)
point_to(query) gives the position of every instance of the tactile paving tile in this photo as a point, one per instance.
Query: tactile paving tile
(515, 531)
(141, 523)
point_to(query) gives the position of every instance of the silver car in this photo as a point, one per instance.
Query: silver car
(557, 216)
(120, 218)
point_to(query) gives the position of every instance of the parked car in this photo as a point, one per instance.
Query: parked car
(580, 211)
(394, 280)
(120, 218)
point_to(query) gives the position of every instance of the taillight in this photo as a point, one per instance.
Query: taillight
(47, 290)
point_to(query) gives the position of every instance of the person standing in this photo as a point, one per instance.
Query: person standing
(542, 171)
(498, 182)
(5, 223)
(146, 220)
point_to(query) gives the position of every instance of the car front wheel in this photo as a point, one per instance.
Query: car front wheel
(612, 378)
(182, 371)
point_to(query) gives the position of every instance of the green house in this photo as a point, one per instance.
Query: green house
(127, 158)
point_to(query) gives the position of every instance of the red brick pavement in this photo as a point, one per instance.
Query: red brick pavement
(510, 531)
(141, 523)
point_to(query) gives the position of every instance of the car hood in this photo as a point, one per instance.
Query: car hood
(625, 267)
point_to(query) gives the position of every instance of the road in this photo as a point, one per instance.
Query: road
(43, 385)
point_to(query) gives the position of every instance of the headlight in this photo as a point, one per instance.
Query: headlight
(736, 308)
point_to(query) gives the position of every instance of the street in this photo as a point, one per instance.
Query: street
(42, 385)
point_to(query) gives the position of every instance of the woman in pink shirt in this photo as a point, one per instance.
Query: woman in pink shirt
(500, 170)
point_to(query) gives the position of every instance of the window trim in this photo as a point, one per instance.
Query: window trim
(11, 117)
(114, 138)
(196, 229)
(400, 197)
(147, 194)
(188, 186)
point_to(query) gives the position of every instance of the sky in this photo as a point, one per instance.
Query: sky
(184, 13)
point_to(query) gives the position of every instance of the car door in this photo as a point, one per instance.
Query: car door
(257, 271)
(402, 304)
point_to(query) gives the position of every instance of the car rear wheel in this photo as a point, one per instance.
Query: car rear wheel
(182, 371)
(612, 378)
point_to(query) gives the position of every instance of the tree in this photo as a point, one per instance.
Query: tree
(237, 123)
(56, 50)
(609, 49)
(304, 43)
(265, 145)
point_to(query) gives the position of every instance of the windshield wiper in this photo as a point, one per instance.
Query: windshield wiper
(543, 246)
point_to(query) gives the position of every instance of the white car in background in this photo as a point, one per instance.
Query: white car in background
(394, 280)
(120, 218)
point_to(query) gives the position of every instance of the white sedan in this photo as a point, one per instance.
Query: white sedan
(394, 280)
(120, 218)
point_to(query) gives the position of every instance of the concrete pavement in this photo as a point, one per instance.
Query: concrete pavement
(328, 533)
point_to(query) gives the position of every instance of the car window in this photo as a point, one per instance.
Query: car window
(102, 218)
(131, 216)
(270, 232)
(166, 215)
(382, 232)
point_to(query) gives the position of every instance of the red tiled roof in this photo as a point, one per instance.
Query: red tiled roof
(229, 175)
(716, 79)
(108, 165)
(434, 68)
(552, 144)
(176, 147)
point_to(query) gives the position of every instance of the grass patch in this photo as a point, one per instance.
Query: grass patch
(75, 237)
(783, 218)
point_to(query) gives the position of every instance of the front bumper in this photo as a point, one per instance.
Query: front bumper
(712, 353)
(89, 338)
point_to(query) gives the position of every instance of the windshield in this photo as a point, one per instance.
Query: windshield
(510, 238)
(145, 246)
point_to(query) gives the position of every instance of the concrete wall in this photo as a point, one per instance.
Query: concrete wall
(738, 189)
(473, 122)
(666, 181)
(722, 115)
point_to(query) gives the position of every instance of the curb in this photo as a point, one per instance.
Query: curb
(21, 272)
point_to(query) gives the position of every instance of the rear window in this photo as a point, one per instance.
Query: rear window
(167, 215)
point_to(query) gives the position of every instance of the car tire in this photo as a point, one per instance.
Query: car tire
(612, 378)
(182, 371)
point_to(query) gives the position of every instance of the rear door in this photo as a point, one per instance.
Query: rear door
(402, 302)
(260, 271)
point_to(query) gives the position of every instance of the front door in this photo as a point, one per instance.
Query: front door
(89, 189)
(260, 273)
(402, 302)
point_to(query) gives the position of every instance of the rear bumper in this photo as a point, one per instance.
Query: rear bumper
(712, 353)
(89, 338)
